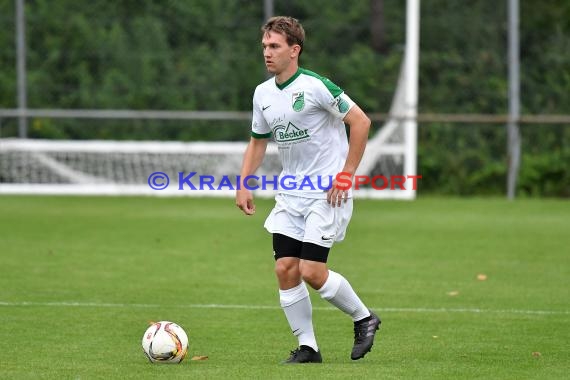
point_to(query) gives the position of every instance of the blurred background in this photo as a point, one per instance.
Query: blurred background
(205, 55)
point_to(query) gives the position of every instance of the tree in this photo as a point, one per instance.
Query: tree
(377, 30)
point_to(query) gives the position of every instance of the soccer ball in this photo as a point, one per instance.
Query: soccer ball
(165, 342)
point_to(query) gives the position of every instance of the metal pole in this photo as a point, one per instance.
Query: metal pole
(21, 68)
(411, 59)
(268, 12)
(268, 9)
(513, 134)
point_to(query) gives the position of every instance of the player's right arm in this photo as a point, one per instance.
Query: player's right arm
(253, 156)
(252, 159)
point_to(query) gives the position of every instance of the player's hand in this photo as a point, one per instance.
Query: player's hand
(244, 201)
(337, 193)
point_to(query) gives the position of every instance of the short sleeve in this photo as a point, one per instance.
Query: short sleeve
(259, 127)
(334, 99)
(340, 105)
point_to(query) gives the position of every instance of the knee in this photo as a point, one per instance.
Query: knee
(286, 270)
(314, 274)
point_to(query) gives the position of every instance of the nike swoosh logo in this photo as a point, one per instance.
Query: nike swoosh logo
(326, 237)
(266, 107)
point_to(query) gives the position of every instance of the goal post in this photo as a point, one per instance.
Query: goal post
(393, 149)
(30, 166)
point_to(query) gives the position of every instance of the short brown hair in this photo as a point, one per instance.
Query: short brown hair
(289, 26)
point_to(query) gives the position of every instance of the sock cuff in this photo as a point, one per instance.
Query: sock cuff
(331, 285)
(291, 296)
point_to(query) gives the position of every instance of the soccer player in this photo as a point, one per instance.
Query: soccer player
(306, 114)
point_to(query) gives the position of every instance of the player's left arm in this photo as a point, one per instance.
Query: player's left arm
(359, 125)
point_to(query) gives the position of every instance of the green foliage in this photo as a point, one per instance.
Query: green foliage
(463, 67)
(203, 55)
(7, 55)
(474, 158)
(545, 167)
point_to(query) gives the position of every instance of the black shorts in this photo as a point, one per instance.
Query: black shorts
(285, 246)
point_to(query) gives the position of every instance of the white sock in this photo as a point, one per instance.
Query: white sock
(296, 304)
(338, 292)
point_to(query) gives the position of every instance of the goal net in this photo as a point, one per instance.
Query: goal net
(160, 168)
(30, 166)
(206, 168)
(124, 168)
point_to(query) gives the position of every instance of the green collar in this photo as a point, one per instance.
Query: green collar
(290, 80)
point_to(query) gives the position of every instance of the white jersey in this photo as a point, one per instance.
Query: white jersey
(304, 116)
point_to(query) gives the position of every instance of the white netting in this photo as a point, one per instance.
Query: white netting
(123, 168)
(112, 167)
(392, 151)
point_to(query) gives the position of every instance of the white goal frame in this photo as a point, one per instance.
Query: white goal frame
(402, 119)
(393, 146)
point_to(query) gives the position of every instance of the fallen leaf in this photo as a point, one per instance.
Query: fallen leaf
(481, 277)
(453, 293)
(199, 357)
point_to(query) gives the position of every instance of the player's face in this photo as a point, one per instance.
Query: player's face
(278, 55)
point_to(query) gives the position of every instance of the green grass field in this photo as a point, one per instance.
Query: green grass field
(81, 277)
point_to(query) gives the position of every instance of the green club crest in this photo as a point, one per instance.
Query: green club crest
(342, 105)
(298, 101)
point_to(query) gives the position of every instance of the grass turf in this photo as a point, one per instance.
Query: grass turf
(80, 278)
